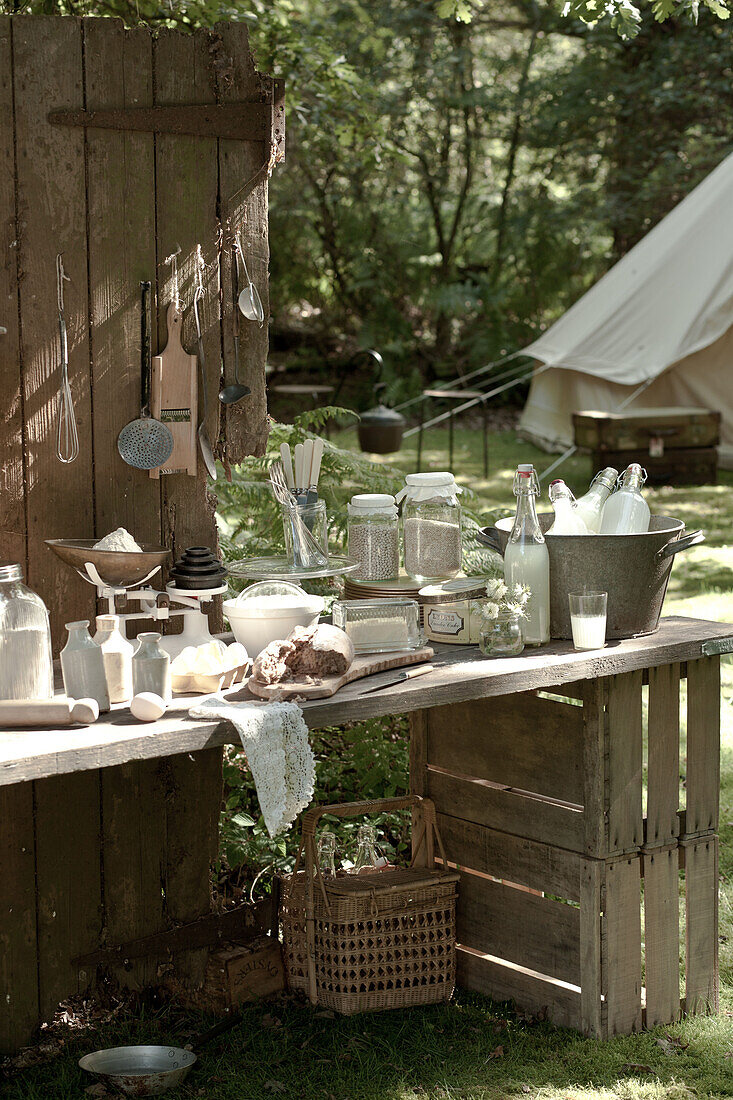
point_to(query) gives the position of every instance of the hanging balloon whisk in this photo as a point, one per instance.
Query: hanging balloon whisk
(67, 437)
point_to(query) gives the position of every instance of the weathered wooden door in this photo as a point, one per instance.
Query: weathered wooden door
(116, 203)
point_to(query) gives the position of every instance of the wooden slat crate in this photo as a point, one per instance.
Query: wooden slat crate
(677, 446)
(539, 802)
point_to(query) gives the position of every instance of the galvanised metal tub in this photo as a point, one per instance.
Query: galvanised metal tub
(633, 569)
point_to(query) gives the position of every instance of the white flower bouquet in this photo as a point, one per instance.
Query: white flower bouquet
(505, 601)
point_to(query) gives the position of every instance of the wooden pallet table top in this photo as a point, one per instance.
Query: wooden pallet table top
(460, 676)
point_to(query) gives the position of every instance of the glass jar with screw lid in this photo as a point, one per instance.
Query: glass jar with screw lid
(374, 538)
(431, 527)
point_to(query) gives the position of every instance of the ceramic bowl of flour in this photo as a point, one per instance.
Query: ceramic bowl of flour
(270, 610)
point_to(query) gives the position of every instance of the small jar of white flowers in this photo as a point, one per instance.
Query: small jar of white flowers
(502, 614)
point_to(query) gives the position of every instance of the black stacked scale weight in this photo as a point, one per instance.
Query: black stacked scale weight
(198, 569)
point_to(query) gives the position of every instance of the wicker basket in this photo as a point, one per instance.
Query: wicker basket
(362, 943)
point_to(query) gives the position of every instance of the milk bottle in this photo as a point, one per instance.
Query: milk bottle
(568, 520)
(590, 506)
(626, 512)
(526, 560)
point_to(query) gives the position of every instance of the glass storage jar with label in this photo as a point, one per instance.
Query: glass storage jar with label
(374, 536)
(26, 666)
(431, 527)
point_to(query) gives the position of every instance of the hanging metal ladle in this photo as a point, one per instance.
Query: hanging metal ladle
(231, 394)
(249, 299)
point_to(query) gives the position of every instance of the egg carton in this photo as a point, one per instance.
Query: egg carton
(203, 683)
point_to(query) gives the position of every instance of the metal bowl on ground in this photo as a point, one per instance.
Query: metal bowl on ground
(118, 568)
(140, 1071)
(633, 569)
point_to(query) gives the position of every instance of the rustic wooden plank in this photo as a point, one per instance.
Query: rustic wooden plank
(18, 952)
(133, 859)
(121, 198)
(69, 885)
(500, 742)
(663, 775)
(508, 810)
(192, 841)
(522, 927)
(526, 862)
(13, 542)
(186, 216)
(530, 992)
(701, 924)
(703, 744)
(622, 955)
(47, 59)
(662, 936)
(418, 779)
(244, 206)
(117, 738)
(591, 954)
(595, 766)
(625, 821)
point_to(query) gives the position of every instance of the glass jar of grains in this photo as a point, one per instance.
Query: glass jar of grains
(431, 527)
(374, 537)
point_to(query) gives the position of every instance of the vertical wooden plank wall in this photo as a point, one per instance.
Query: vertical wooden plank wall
(51, 197)
(13, 542)
(116, 204)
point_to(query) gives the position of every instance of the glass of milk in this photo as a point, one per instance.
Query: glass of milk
(588, 619)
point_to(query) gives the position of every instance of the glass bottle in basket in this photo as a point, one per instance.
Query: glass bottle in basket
(626, 512)
(568, 521)
(526, 559)
(327, 853)
(366, 850)
(590, 506)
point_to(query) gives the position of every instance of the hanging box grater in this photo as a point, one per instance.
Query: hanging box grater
(363, 943)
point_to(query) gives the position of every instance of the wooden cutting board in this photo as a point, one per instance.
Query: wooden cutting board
(361, 666)
(174, 398)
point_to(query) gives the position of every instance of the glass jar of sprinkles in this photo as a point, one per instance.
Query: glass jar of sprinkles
(431, 527)
(374, 537)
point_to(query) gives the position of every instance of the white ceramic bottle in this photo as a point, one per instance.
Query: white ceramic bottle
(117, 656)
(568, 520)
(151, 668)
(626, 512)
(526, 560)
(590, 506)
(82, 666)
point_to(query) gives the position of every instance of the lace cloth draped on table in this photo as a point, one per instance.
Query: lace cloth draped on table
(275, 740)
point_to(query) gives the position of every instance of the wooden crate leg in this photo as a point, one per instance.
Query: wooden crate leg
(625, 822)
(591, 905)
(18, 960)
(419, 774)
(68, 875)
(703, 745)
(664, 755)
(701, 904)
(193, 801)
(662, 936)
(133, 859)
(622, 941)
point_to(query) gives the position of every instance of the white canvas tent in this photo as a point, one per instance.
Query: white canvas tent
(662, 316)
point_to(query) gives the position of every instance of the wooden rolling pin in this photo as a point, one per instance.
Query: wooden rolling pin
(48, 712)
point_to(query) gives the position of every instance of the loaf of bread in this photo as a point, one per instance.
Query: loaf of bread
(308, 653)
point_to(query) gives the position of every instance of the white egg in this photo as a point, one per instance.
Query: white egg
(147, 706)
(236, 655)
(184, 662)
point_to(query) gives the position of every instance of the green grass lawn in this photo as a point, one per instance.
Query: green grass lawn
(471, 1049)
